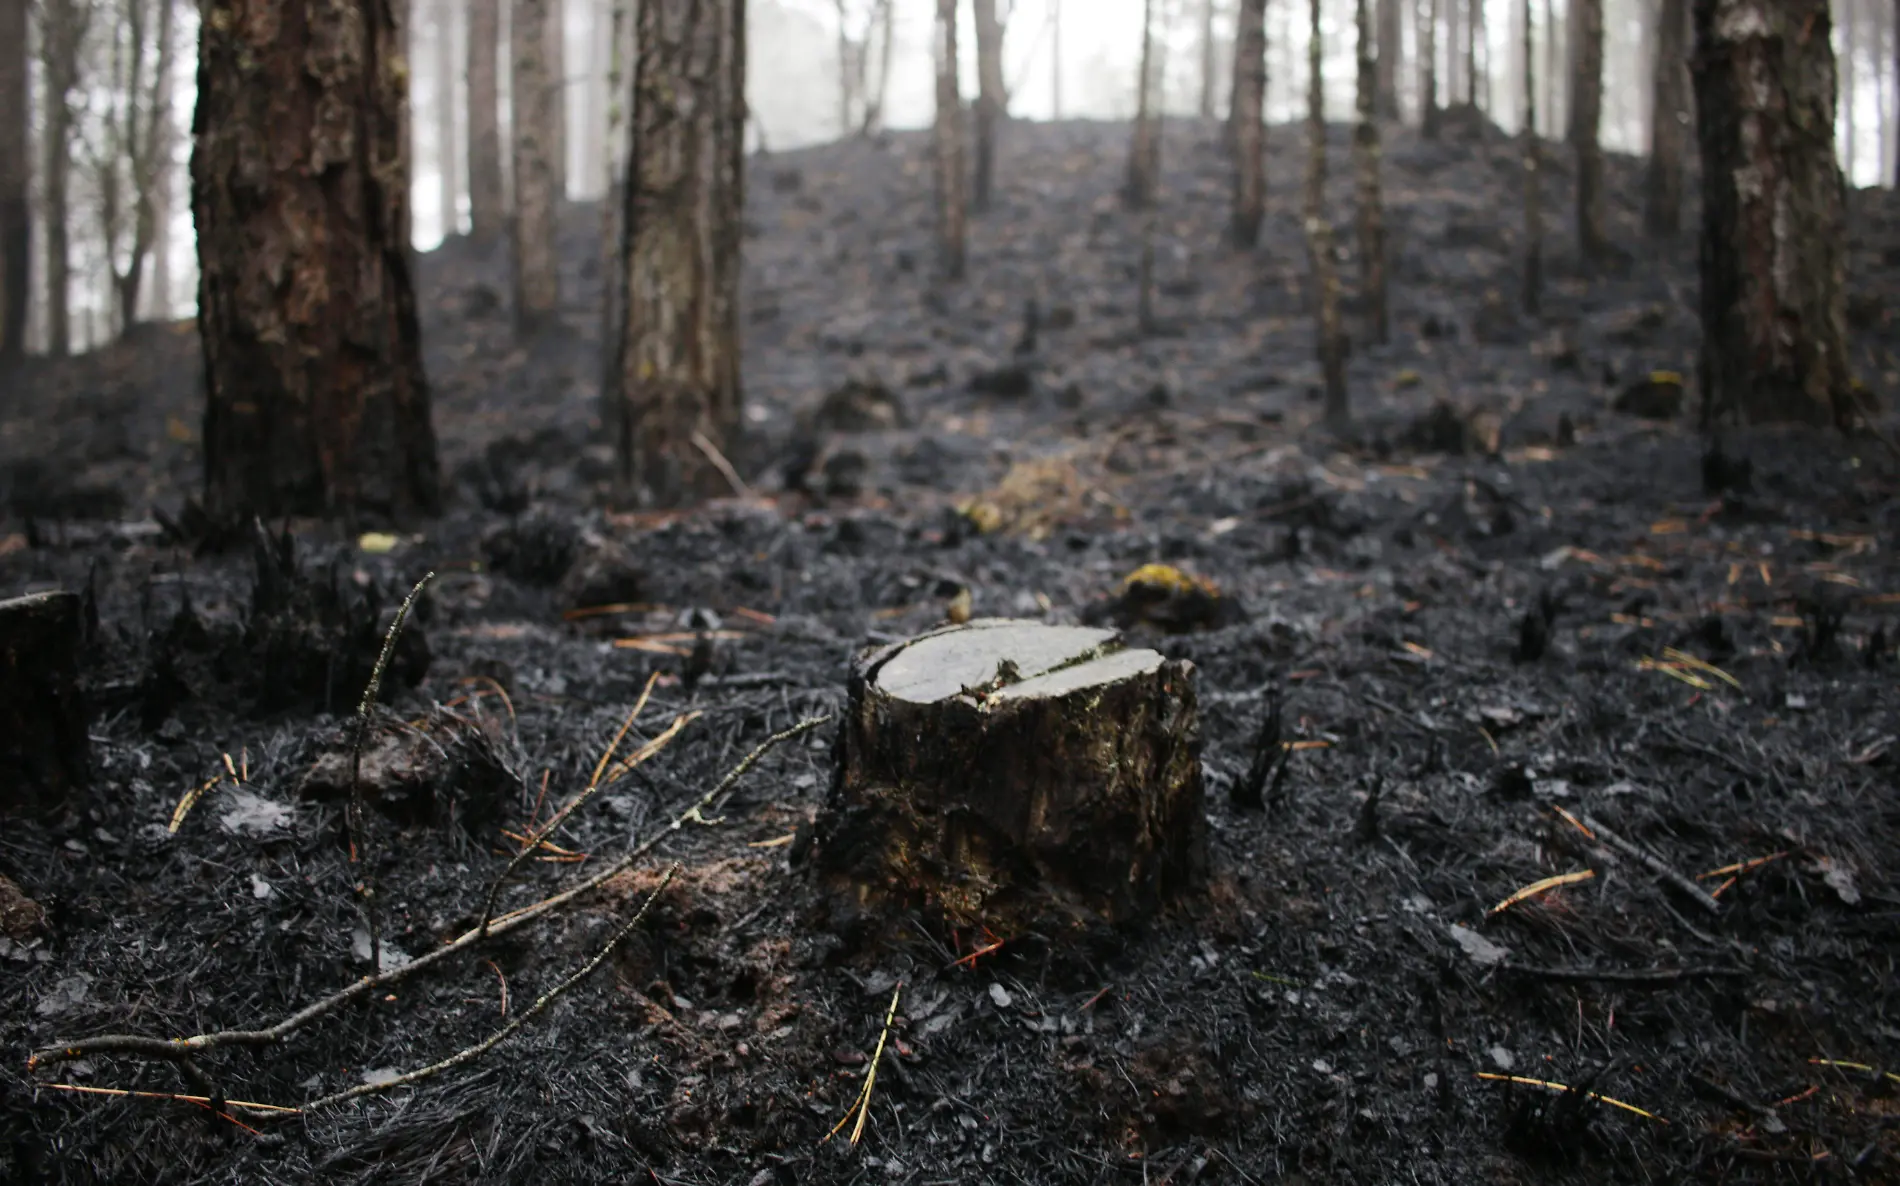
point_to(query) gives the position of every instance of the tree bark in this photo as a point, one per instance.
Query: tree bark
(1533, 291)
(1391, 43)
(613, 205)
(146, 144)
(874, 99)
(1669, 120)
(678, 374)
(1773, 214)
(16, 176)
(1018, 775)
(1319, 235)
(1893, 27)
(1208, 59)
(989, 98)
(1248, 119)
(315, 398)
(1144, 157)
(1371, 202)
(948, 139)
(62, 31)
(557, 97)
(45, 750)
(1428, 69)
(448, 167)
(1848, 46)
(847, 75)
(1586, 109)
(1454, 53)
(487, 201)
(536, 115)
(1554, 34)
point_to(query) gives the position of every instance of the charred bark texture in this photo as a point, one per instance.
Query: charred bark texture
(1773, 213)
(16, 172)
(537, 114)
(44, 749)
(1586, 110)
(1319, 235)
(1669, 123)
(948, 143)
(315, 401)
(678, 373)
(1144, 147)
(1371, 202)
(1533, 292)
(989, 99)
(1248, 119)
(1017, 775)
(487, 202)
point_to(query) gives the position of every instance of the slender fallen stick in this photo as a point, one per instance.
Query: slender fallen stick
(501, 1035)
(1654, 864)
(178, 1048)
(1638, 977)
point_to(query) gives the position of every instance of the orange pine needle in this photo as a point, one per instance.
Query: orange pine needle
(1549, 1085)
(1544, 885)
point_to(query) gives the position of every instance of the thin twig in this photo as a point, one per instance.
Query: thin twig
(719, 462)
(470, 1054)
(178, 1048)
(1635, 977)
(1654, 864)
(353, 814)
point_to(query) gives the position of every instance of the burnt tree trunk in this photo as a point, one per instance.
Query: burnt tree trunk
(1248, 119)
(315, 401)
(555, 70)
(678, 374)
(947, 140)
(448, 167)
(1391, 40)
(1773, 214)
(44, 748)
(1586, 110)
(1319, 235)
(1533, 291)
(16, 173)
(1428, 69)
(989, 99)
(1669, 120)
(536, 116)
(1371, 202)
(1144, 147)
(1209, 59)
(1017, 775)
(62, 33)
(487, 202)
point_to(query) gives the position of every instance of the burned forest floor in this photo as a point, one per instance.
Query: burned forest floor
(1525, 625)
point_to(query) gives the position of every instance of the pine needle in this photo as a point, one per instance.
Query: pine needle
(861, 1107)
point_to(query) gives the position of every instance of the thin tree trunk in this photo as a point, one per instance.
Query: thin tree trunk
(679, 370)
(537, 278)
(1055, 58)
(1586, 108)
(448, 188)
(1774, 336)
(1248, 120)
(1391, 39)
(612, 297)
(315, 401)
(847, 74)
(1474, 29)
(487, 202)
(557, 96)
(62, 29)
(1847, 86)
(1669, 122)
(1893, 28)
(1553, 69)
(1454, 52)
(949, 147)
(1208, 59)
(874, 98)
(146, 144)
(989, 98)
(16, 178)
(1319, 235)
(1143, 156)
(1428, 69)
(1371, 206)
(1533, 293)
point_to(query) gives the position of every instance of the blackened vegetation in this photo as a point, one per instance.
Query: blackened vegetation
(1324, 1011)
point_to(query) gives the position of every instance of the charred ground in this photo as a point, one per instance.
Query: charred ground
(1460, 635)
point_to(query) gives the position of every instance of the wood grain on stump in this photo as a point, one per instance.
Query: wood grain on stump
(44, 750)
(1017, 775)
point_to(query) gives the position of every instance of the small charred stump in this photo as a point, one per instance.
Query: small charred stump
(44, 752)
(1019, 775)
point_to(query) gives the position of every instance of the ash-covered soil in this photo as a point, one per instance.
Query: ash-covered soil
(1476, 656)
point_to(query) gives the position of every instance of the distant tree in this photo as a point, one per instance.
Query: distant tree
(677, 382)
(536, 120)
(1209, 53)
(1248, 119)
(315, 402)
(448, 167)
(556, 67)
(1669, 119)
(948, 142)
(1773, 256)
(991, 100)
(1586, 108)
(1319, 234)
(1055, 58)
(128, 168)
(487, 202)
(1428, 69)
(1533, 292)
(885, 21)
(1371, 202)
(1391, 39)
(1144, 147)
(16, 176)
(63, 26)
(1477, 58)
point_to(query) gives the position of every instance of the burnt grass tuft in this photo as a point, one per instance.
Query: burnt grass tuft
(1528, 610)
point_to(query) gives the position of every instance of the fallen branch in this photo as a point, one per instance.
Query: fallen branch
(176, 1049)
(1654, 864)
(1635, 977)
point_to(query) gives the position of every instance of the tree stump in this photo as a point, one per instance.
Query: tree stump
(1017, 775)
(44, 750)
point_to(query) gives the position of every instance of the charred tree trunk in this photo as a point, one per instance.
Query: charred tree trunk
(1454, 53)
(315, 401)
(145, 144)
(612, 205)
(1144, 148)
(989, 98)
(536, 103)
(1209, 59)
(1021, 776)
(487, 202)
(45, 753)
(948, 138)
(1248, 120)
(16, 174)
(1428, 69)
(1894, 27)
(1586, 110)
(1391, 41)
(678, 374)
(1670, 117)
(448, 189)
(1773, 214)
(1849, 132)
(1533, 293)
(1371, 204)
(874, 99)
(1319, 236)
(556, 72)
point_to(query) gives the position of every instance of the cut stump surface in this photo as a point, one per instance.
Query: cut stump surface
(1017, 775)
